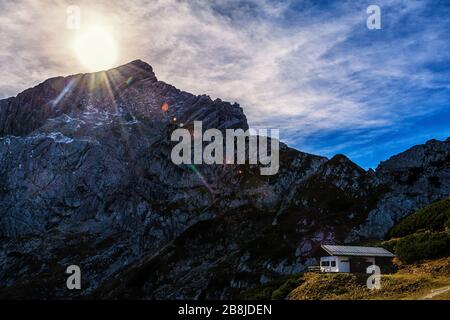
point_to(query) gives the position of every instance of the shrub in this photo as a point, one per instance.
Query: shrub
(277, 289)
(282, 292)
(390, 244)
(435, 217)
(425, 245)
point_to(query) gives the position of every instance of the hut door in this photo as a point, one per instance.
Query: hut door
(358, 265)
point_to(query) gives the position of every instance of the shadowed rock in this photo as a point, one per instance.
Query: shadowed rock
(86, 179)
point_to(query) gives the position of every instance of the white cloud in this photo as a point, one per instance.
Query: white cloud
(304, 75)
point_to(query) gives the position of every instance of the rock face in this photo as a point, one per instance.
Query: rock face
(86, 179)
(415, 179)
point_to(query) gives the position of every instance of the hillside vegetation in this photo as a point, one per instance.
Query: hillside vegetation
(275, 290)
(402, 285)
(422, 235)
(427, 280)
(435, 217)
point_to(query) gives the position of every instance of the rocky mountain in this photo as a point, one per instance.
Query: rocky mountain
(86, 179)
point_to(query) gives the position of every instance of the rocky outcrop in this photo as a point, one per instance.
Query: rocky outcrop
(86, 179)
(415, 178)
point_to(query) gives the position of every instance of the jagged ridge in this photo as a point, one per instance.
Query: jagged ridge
(86, 179)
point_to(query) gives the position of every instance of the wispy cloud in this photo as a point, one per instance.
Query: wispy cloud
(313, 70)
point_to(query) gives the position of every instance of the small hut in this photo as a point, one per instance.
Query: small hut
(352, 258)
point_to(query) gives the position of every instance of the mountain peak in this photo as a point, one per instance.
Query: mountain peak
(137, 69)
(131, 89)
(140, 64)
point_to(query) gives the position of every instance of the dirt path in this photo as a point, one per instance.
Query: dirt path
(435, 292)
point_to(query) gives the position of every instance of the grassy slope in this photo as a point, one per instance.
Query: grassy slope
(411, 282)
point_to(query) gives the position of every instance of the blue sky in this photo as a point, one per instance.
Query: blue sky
(310, 68)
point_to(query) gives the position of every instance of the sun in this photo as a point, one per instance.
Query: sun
(96, 49)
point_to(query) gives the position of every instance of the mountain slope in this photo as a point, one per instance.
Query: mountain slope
(86, 179)
(399, 286)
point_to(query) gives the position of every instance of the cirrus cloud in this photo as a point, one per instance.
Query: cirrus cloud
(311, 69)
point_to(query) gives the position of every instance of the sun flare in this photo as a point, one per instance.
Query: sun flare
(96, 49)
